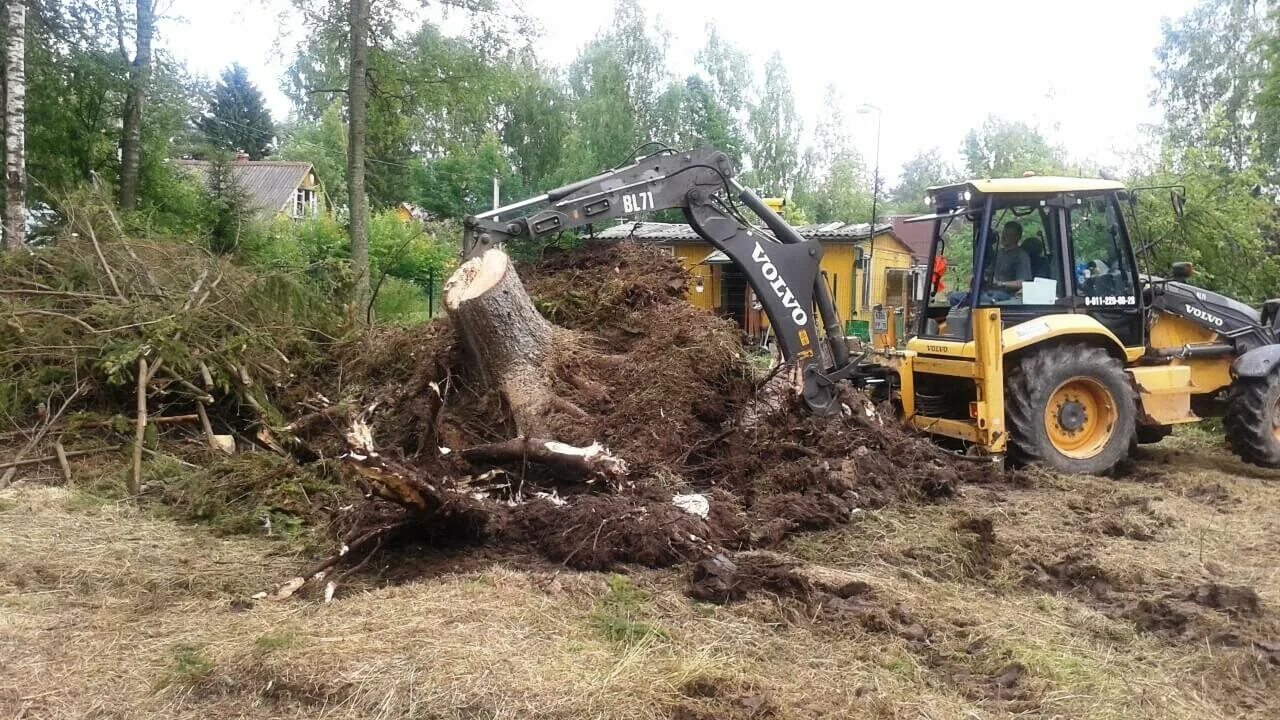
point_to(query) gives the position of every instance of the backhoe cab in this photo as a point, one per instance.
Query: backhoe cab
(1051, 347)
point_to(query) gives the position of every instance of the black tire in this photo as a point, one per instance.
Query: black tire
(1048, 373)
(1251, 419)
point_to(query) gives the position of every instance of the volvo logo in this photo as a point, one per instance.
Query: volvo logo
(779, 285)
(1207, 317)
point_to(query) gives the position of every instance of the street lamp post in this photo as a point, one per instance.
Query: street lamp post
(875, 195)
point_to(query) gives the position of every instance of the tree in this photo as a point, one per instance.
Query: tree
(357, 97)
(728, 73)
(144, 21)
(536, 125)
(238, 119)
(833, 182)
(925, 170)
(75, 90)
(426, 92)
(1210, 71)
(775, 132)
(614, 85)
(15, 101)
(1267, 120)
(1004, 148)
(1224, 231)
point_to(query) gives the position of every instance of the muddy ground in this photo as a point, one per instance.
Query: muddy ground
(1153, 595)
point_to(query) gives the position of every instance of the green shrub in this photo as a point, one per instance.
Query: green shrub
(174, 203)
(287, 243)
(412, 251)
(400, 302)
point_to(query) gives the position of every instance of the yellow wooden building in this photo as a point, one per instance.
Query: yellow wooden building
(720, 287)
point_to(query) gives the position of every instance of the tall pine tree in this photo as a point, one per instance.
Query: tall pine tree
(238, 120)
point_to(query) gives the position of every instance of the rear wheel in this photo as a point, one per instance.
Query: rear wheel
(1252, 421)
(1069, 407)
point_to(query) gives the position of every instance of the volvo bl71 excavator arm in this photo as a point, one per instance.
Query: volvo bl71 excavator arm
(779, 264)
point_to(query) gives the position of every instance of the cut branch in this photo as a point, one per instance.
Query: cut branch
(591, 462)
(106, 267)
(60, 458)
(61, 454)
(139, 428)
(11, 468)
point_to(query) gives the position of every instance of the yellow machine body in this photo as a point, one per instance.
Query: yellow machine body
(1163, 390)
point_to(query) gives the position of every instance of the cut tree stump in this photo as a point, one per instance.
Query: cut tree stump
(507, 339)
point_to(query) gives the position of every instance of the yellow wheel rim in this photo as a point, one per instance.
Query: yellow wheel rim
(1080, 417)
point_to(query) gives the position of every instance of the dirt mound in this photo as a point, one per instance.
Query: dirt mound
(1210, 613)
(715, 698)
(721, 579)
(716, 459)
(1002, 685)
(1073, 574)
(1239, 600)
(645, 527)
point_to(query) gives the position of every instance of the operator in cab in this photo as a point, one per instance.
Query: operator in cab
(1011, 267)
(1013, 264)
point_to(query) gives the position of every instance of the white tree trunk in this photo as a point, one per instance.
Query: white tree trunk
(15, 104)
(357, 115)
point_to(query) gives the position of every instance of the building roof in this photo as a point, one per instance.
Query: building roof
(918, 236)
(668, 232)
(1034, 184)
(270, 184)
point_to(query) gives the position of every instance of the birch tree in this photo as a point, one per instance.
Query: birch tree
(358, 203)
(144, 25)
(15, 101)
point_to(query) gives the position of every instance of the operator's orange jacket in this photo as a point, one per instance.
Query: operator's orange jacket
(939, 268)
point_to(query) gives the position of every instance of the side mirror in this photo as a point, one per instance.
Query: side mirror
(1179, 202)
(1181, 270)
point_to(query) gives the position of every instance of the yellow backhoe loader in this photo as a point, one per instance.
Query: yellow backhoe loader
(1056, 349)
(1053, 348)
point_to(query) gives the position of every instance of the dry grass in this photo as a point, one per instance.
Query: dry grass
(106, 611)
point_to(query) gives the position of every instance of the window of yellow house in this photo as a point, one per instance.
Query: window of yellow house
(305, 203)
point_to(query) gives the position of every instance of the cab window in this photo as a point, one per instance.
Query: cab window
(1103, 274)
(1022, 251)
(1023, 262)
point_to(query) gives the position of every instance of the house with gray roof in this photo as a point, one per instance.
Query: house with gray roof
(274, 187)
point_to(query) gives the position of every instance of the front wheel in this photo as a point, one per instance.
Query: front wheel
(1069, 407)
(1252, 421)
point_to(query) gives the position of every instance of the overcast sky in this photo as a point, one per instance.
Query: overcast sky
(1080, 71)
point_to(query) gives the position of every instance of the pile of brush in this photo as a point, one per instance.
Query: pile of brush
(108, 339)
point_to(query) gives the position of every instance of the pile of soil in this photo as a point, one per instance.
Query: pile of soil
(717, 459)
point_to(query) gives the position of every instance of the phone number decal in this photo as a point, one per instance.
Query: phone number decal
(1111, 300)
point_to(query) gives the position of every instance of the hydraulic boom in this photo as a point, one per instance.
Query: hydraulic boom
(779, 264)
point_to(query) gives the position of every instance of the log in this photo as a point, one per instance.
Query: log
(62, 461)
(508, 340)
(51, 458)
(139, 428)
(591, 462)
